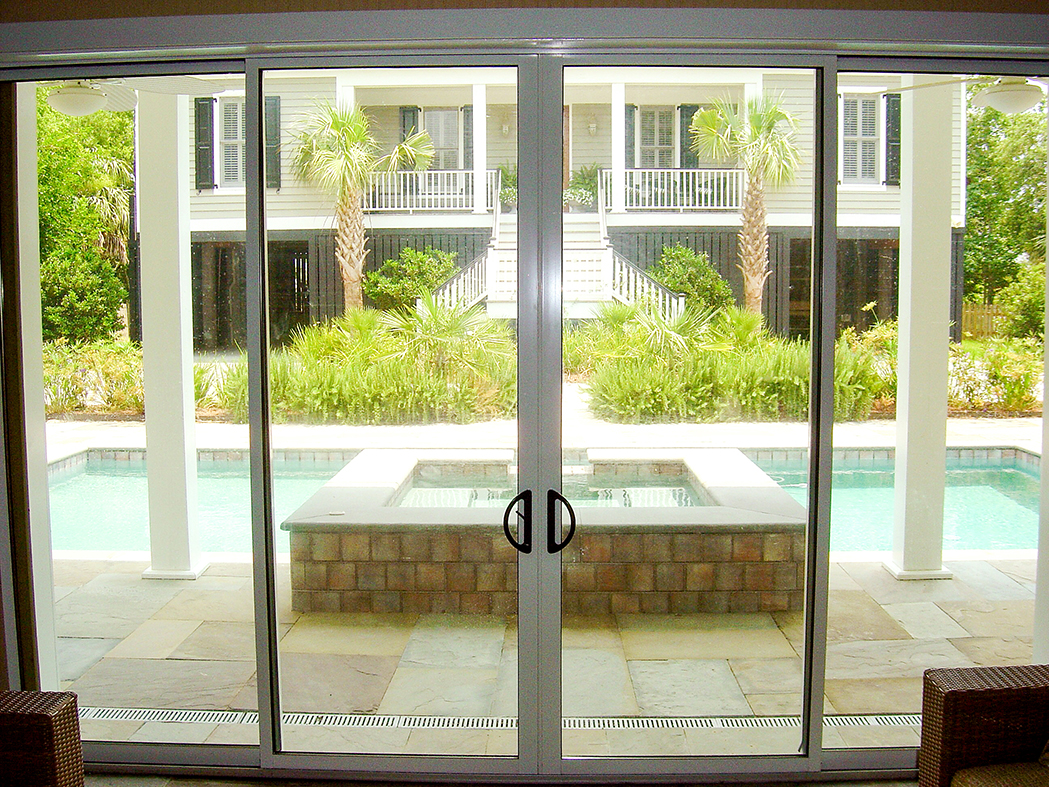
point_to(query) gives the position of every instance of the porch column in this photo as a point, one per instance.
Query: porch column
(618, 147)
(480, 142)
(33, 387)
(167, 336)
(925, 279)
(1041, 583)
(345, 91)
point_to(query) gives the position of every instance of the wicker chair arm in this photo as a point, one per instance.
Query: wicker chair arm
(981, 716)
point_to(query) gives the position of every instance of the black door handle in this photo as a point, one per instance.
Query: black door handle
(552, 499)
(525, 544)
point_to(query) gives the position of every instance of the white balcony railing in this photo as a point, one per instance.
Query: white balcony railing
(678, 189)
(432, 190)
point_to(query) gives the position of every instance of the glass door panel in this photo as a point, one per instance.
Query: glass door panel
(392, 262)
(939, 569)
(141, 523)
(686, 256)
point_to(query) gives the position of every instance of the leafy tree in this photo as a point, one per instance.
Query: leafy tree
(400, 281)
(1005, 196)
(337, 152)
(84, 171)
(759, 135)
(1023, 301)
(686, 271)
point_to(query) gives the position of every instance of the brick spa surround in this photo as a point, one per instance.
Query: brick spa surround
(352, 551)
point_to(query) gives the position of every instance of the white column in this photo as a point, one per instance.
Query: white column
(167, 336)
(345, 91)
(1041, 584)
(480, 141)
(925, 282)
(618, 147)
(33, 368)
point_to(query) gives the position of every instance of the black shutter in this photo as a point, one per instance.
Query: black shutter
(631, 110)
(892, 139)
(204, 142)
(272, 142)
(468, 137)
(689, 160)
(409, 121)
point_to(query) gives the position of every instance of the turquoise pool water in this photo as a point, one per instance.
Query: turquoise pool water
(986, 507)
(581, 490)
(103, 504)
(112, 495)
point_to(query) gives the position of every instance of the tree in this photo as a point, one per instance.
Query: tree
(1005, 196)
(337, 152)
(398, 282)
(759, 135)
(683, 270)
(84, 167)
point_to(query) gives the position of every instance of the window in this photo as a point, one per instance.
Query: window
(231, 142)
(859, 139)
(229, 138)
(443, 128)
(657, 137)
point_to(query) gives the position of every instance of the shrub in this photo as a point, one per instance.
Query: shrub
(689, 272)
(80, 294)
(397, 283)
(1023, 302)
(101, 377)
(432, 364)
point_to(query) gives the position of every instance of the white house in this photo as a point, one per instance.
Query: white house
(631, 123)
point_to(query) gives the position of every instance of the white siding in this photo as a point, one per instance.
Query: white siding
(797, 92)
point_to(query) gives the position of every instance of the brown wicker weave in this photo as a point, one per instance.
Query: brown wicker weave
(40, 739)
(981, 716)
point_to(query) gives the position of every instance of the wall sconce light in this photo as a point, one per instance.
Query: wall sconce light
(506, 126)
(591, 125)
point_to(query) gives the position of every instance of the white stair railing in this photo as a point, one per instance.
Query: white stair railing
(467, 287)
(630, 284)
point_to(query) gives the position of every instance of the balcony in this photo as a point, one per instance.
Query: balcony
(677, 189)
(429, 191)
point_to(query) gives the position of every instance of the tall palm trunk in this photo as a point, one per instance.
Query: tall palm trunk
(754, 243)
(350, 250)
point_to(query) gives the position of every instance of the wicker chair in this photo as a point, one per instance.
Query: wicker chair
(40, 739)
(988, 723)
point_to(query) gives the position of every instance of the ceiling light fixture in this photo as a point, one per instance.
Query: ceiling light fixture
(77, 99)
(1009, 95)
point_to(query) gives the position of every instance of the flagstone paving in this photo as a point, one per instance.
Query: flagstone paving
(129, 642)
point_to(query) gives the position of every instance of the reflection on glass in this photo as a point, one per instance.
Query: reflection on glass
(391, 233)
(932, 542)
(149, 516)
(687, 248)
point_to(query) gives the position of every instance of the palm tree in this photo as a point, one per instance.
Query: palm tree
(337, 152)
(759, 135)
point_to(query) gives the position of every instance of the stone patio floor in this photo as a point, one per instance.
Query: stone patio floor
(125, 642)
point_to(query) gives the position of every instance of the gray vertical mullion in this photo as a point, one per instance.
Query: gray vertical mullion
(528, 409)
(260, 449)
(549, 185)
(821, 403)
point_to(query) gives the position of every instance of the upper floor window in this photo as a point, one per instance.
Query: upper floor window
(443, 127)
(870, 139)
(859, 140)
(656, 137)
(231, 142)
(220, 154)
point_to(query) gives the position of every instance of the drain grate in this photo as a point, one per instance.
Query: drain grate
(363, 720)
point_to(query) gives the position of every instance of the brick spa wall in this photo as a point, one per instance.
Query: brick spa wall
(621, 569)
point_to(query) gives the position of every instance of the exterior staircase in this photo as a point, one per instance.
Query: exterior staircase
(593, 273)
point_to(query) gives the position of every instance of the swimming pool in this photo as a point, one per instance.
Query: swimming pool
(113, 495)
(986, 505)
(991, 504)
